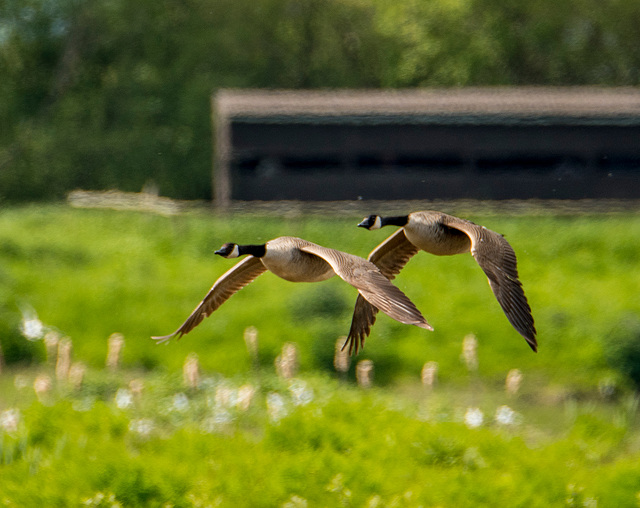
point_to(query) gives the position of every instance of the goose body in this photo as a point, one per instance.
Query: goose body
(445, 235)
(298, 260)
(429, 233)
(285, 258)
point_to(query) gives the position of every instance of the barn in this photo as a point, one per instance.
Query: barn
(478, 143)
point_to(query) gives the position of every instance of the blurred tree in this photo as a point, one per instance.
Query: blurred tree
(489, 42)
(115, 94)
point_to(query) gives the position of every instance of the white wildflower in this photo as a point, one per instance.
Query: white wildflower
(276, 406)
(31, 327)
(180, 402)
(124, 398)
(102, 499)
(295, 502)
(9, 420)
(142, 426)
(302, 394)
(220, 418)
(506, 416)
(473, 418)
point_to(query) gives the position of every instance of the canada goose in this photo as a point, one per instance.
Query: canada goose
(297, 260)
(445, 235)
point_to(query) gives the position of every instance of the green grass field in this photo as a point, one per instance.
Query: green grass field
(317, 440)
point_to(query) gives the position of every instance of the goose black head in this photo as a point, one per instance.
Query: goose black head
(228, 250)
(371, 222)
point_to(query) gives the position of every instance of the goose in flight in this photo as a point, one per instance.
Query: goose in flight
(298, 260)
(445, 235)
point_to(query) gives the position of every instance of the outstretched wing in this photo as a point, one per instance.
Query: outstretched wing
(390, 257)
(364, 316)
(372, 285)
(392, 254)
(229, 283)
(498, 261)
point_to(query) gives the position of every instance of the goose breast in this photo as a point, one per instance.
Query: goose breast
(285, 259)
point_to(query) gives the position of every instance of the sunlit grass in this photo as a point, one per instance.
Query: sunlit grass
(89, 273)
(338, 444)
(139, 436)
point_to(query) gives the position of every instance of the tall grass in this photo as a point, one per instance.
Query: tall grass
(88, 273)
(338, 446)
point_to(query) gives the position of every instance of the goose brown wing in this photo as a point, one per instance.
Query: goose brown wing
(372, 285)
(392, 254)
(364, 316)
(390, 257)
(229, 283)
(497, 259)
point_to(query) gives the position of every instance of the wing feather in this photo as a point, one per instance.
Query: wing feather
(390, 257)
(392, 254)
(229, 283)
(497, 259)
(373, 286)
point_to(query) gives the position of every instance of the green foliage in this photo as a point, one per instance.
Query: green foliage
(15, 349)
(140, 437)
(341, 446)
(319, 302)
(622, 348)
(99, 95)
(90, 273)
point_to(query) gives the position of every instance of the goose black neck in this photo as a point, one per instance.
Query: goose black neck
(254, 250)
(395, 220)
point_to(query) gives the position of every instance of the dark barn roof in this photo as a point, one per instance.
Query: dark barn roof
(588, 104)
(471, 127)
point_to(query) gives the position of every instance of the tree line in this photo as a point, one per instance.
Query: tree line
(116, 94)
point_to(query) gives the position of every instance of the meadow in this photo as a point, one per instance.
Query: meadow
(142, 435)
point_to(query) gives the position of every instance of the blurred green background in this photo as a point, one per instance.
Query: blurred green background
(115, 94)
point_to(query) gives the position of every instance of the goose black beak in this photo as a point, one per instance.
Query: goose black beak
(219, 252)
(364, 224)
